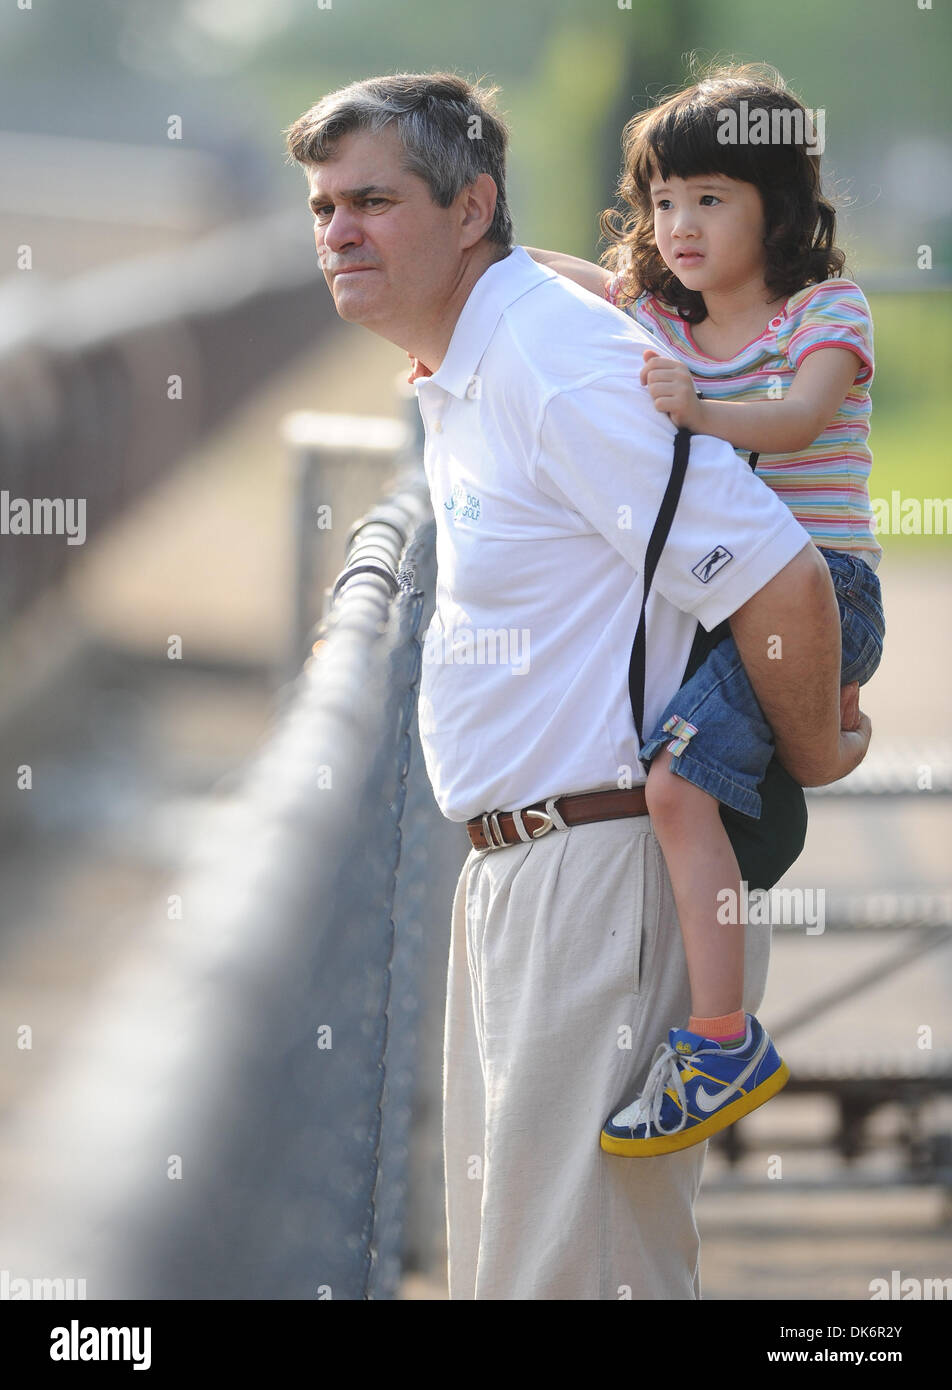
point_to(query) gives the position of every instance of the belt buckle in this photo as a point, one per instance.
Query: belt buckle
(492, 830)
(547, 823)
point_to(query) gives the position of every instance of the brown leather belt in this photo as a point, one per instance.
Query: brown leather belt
(495, 829)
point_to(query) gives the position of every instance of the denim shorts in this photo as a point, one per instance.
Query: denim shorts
(714, 726)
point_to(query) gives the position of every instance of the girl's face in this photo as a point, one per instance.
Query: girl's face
(710, 231)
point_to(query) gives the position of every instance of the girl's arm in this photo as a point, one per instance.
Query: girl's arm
(590, 277)
(769, 427)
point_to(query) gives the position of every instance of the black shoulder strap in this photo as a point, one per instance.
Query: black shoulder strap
(659, 534)
(703, 641)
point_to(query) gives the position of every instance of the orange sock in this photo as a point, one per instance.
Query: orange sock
(726, 1028)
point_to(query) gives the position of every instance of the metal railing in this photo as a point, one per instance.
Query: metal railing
(234, 1120)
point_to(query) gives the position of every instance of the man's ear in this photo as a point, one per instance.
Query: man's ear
(478, 206)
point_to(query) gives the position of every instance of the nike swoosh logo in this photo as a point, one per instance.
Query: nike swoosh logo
(706, 1102)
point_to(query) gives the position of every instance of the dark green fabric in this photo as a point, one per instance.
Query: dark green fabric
(767, 847)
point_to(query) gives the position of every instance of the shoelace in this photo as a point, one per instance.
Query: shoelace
(664, 1073)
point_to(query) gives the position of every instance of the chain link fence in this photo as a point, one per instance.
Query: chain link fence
(238, 1115)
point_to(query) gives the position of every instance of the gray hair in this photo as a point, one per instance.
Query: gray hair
(449, 129)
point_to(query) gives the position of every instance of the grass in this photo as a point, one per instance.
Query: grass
(911, 428)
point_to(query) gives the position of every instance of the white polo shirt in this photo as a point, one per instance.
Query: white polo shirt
(547, 461)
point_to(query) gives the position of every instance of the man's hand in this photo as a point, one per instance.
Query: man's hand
(855, 733)
(672, 390)
(849, 706)
(852, 750)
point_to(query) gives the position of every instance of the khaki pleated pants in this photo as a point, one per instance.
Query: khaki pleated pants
(566, 971)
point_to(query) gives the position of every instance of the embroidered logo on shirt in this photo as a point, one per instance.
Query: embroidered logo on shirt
(463, 504)
(707, 568)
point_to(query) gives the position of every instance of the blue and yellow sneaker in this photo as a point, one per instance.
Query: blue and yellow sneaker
(694, 1088)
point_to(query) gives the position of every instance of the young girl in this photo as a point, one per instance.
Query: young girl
(727, 258)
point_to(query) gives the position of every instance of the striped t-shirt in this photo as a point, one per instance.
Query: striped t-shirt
(826, 485)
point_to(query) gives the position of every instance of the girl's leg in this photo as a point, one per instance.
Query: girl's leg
(723, 1064)
(701, 865)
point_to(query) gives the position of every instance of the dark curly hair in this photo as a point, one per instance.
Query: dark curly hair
(680, 137)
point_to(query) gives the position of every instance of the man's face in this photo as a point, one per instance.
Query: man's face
(389, 254)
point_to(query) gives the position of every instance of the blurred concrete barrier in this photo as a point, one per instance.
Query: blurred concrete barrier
(235, 1117)
(106, 380)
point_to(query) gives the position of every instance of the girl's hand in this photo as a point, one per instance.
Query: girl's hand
(417, 369)
(672, 390)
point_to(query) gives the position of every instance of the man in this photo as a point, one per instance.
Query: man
(546, 462)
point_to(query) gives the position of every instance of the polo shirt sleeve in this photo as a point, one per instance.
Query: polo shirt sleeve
(832, 314)
(605, 453)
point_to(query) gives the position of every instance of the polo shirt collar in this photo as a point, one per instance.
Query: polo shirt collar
(499, 286)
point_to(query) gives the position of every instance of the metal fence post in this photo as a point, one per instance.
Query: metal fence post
(339, 466)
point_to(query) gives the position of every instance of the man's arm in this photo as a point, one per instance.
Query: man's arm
(728, 517)
(797, 678)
